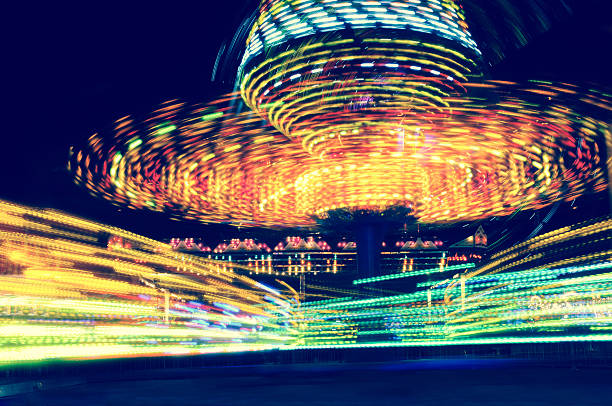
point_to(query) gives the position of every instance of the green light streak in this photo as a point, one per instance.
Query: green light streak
(134, 144)
(212, 116)
(413, 273)
(166, 130)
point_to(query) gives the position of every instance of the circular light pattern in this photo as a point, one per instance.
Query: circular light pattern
(532, 145)
(280, 21)
(355, 88)
(357, 104)
(355, 67)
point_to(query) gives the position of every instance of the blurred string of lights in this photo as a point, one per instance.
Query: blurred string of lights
(428, 271)
(279, 22)
(76, 289)
(554, 287)
(72, 288)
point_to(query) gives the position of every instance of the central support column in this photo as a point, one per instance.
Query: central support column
(369, 240)
(368, 227)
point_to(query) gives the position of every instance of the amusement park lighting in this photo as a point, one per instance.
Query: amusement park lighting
(356, 105)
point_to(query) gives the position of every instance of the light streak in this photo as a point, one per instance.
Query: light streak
(559, 290)
(72, 295)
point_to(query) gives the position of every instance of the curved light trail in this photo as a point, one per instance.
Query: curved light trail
(534, 145)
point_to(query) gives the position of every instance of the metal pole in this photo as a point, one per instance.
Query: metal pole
(166, 306)
(302, 287)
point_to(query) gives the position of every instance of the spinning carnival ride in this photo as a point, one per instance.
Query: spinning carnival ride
(356, 105)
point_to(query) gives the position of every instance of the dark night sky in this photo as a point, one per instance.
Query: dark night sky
(74, 69)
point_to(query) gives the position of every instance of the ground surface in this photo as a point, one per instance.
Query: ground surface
(451, 382)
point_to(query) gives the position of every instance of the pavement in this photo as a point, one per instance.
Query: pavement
(421, 382)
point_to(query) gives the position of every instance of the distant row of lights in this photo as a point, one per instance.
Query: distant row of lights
(290, 243)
